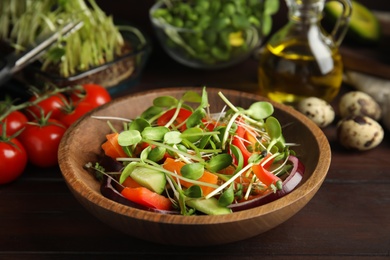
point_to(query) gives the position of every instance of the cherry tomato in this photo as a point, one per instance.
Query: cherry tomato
(93, 94)
(71, 115)
(181, 117)
(13, 160)
(14, 122)
(53, 103)
(41, 141)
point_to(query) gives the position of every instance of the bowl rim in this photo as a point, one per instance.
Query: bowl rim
(312, 184)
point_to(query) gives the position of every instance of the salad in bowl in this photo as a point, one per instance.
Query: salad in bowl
(177, 157)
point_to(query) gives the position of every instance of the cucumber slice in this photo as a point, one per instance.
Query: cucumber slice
(149, 178)
(364, 26)
(208, 206)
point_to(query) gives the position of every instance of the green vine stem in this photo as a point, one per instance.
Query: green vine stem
(11, 108)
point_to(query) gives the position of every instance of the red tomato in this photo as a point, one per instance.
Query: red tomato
(181, 117)
(93, 94)
(41, 142)
(53, 103)
(13, 160)
(14, 122)
(69, 117)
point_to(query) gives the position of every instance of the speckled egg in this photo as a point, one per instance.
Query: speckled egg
(318, 110)
(359, 103)
(359, 133)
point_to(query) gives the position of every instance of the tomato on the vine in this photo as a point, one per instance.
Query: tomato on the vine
(71, 114)
(51, 104)
(13, 160)
(41, 140)
(93, 94)
(14, 122)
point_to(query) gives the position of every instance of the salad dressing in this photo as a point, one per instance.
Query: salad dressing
(301, 59)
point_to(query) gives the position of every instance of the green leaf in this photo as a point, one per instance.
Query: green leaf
(192, 171)
(138, 124)
(219, 162)
(204, 141)
(157, 154)
(191, 96)
(172, 137)
(260, 110)
(154, 133)
(195, 118)
(267, 24)
(127, 171)
(227, 197)
(273, 128)
(145, 153)
(271, 7)
(205, 101)
(151, 112)
(165, 101)
(129, 137)
(194, 192)
(193, 134)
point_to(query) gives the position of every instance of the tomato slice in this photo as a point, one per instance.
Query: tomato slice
(180, 118)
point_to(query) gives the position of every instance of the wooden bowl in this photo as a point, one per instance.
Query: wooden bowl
(81, 144)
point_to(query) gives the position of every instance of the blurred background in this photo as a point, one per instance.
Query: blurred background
(138, 11)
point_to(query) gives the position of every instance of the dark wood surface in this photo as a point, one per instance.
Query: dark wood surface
(349, 217)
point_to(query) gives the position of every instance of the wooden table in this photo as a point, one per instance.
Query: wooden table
(348, 218)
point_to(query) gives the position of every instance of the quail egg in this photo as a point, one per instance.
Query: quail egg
(359, 133)
(359, 103)
(318, 110)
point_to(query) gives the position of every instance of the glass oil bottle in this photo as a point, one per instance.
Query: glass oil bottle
(302, 59)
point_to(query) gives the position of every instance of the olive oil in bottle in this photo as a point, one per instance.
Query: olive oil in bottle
(290, 72)
(301, 59)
